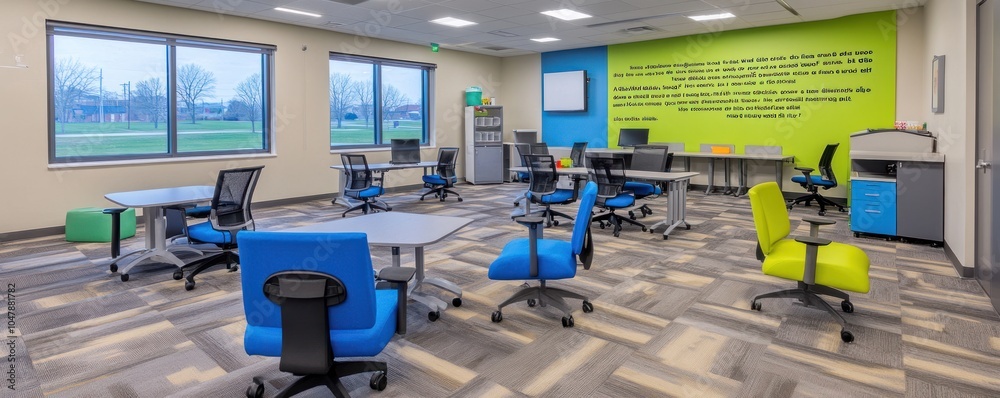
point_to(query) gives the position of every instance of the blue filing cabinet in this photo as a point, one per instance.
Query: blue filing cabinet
(873, 206)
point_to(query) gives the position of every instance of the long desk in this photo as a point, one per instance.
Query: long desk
(380, 168)
(397, 230)
(152, 202)
(677, 186)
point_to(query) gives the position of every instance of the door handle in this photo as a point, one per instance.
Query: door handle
(983, 165)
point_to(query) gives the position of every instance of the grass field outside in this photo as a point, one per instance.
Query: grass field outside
(353, 132)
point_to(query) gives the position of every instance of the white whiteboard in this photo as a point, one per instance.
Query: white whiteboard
(564, 91)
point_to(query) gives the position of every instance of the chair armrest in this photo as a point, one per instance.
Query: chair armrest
(529, 220)
(396, 274)
(818, 221)
(114, 210)
(813, 241)
(806, 170)
(397, 278)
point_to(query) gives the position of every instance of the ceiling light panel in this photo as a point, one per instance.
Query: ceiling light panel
(453, 22)
(545, 39)
(566, 14)
(711, 17)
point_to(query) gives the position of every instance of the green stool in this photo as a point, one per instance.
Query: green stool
(90, 224)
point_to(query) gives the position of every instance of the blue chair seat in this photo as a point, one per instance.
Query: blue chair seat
(620, 201)
(261, 340)
(816, 180)
(555, 261)
(641, 189)
(438, 180)
(203, 232)
(371, 192)
(559, 196)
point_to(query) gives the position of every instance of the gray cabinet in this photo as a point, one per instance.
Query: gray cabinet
(920, 200)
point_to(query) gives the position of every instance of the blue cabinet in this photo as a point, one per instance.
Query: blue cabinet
(873, 207)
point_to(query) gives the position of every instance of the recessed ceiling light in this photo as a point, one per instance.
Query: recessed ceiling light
(712, 16)
(545, 39)
(308, 14)
(449, 21)
(566, 14)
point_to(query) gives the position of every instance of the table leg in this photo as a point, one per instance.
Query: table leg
(156, 242)
(729, 187)
(779, 167)
(711, 176)
(676, 207)
(435, 304)
(743, 177)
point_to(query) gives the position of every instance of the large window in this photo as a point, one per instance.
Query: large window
(118, 94)
(374, 100)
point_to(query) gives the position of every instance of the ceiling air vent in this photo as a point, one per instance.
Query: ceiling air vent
(503, 33)
(639, 30)
(497, 48)
(351, 2)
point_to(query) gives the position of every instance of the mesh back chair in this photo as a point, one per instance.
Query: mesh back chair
(361, 184)
(311, 299)
(229, 214)
(577, 154)
(542, 189)
(445, 177)
(609, 173)
(535, 148)
(647, 158)
(813, 183)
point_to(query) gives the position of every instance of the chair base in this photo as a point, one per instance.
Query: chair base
(819, 199)
(809, 296)
(550, 216)
(644, 211)
(331, 380)
(441, 193)
(367, 207)
(545, 296)
(228, 257)
(610, 218)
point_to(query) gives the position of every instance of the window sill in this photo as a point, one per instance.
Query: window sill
(373, 149)
(131, 162)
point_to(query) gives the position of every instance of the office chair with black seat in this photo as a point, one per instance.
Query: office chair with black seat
(609, 174)
(819, 265)
(445, 178)
(310, 298)
(813, 183)
(542, 188)
(545, 260)
(361, 184)
(229, 214)
(647, 158)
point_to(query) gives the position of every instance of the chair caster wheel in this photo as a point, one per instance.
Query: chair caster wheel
(755, 305)
(601, 225)
(631, 215)
(822, 212)
(588, 306)
(457, 302)
(378, 381)
(114, 267)
(857, 235)
(496, 317)
(842, 210)
(178, 275)
(847, 336)
(847, 306)
(421, 198)
(459, 199)
(567, 321)
(189, 285)
(644, 229)
(124, 277)
(665, 237)
(617, 234)
(556, 223)
(441, 199)
(343, 215)
(433, 315)
(256, 389)
(234, 268)
(532, 303)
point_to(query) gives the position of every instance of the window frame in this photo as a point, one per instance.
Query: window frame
(427, 92)
(171, 43)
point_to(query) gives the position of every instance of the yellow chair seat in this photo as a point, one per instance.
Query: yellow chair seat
(838, 265)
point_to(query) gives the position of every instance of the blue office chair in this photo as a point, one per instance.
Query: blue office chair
(547, 259)
(229, 214)
(310, 298)
(813, 183)
(361, 184)
(542, 188)
(609, 174)
(445, 178)
(647, 158)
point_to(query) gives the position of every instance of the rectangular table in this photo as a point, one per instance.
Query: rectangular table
(397, 230)
(380, 168)
(677, 186)
(153, 202)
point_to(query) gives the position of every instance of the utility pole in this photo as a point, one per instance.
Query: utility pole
(127, 94)
(100, 97)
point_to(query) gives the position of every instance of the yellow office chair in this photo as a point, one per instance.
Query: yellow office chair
(819, 265)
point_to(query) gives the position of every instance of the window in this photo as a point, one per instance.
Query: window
(117, 94)
(374, 100)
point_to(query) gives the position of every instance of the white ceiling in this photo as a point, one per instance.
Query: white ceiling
(407, 20)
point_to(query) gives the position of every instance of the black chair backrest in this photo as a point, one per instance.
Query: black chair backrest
(542, 169)
(539, 148)
(233, 191)
(609, 174)
(650, 158)
(359, 176)
(446, 163)
(825, 168)
(576, 154)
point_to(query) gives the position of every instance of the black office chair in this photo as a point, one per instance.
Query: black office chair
(577, 154)
(445, 177)
(361, 184)
(542, 189)
(609, 174)
(537, 148)
(813, 183)
(648, 158)
(229, 214)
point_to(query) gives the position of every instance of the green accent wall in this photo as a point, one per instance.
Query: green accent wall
(798, 86)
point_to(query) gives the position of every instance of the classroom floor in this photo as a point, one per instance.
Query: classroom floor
(672, 318)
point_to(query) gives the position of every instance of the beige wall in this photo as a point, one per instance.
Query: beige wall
(521, 82)
(301, 167)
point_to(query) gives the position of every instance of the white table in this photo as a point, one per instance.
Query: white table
(152, 202)
(397, 230)
(380, 168)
